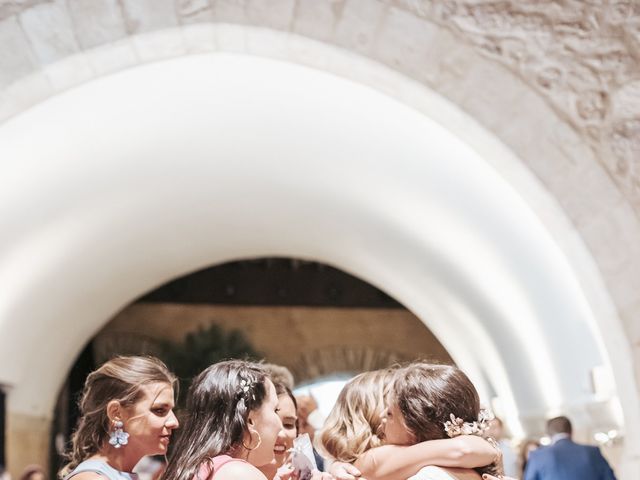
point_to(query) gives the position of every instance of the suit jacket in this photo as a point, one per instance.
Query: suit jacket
(567, 460)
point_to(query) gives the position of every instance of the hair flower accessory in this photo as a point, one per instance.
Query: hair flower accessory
(456, 426)
(246, 387)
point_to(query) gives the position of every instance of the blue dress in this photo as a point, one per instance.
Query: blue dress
(101, 468)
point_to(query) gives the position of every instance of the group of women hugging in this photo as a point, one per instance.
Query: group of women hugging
(420, 421)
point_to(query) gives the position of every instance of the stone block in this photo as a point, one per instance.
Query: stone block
(69, 72)
(194, 11)
(113, 57)
(27, 441)
(611, 237)
(97, 21)
(359, 24)
(16, 57)
(231, 38)
(276, 14)
(316, 19)
(200, 37)
(267, 43)
(229, 11)
(143, 16)
(158, 45)
(50, 30)
(407, 43)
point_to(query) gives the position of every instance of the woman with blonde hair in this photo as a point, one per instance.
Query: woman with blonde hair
(354, 434)
(126, 413)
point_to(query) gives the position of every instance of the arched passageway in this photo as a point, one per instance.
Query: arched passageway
(163, 169)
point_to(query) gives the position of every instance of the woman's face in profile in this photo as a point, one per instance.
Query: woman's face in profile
(284, 442)
(394, 428)
(151, 421)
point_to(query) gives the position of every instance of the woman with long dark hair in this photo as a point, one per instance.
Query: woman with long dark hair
(231, 425)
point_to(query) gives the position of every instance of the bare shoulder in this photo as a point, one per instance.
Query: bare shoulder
(239, 471)
(88, 476)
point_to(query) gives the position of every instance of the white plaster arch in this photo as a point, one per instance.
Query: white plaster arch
(73, 225)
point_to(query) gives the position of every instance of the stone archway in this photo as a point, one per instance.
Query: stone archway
(551, 139)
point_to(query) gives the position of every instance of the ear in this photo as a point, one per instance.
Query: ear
(114, 410)
(250, 420)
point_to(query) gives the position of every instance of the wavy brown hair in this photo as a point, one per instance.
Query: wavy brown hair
(427, 395)
(121, 379)
(354, 423)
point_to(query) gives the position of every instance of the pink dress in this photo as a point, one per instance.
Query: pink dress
(209, 469)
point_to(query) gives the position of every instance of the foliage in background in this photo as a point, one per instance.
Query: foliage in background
(201, 349)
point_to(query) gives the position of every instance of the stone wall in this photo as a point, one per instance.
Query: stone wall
(311, 342)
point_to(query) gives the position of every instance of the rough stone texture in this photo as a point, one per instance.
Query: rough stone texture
(580, 56)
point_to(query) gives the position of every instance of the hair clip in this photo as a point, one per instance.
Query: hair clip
(245, 387)
(456, 426)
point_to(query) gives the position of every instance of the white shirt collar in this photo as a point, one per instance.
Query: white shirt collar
(559, 436)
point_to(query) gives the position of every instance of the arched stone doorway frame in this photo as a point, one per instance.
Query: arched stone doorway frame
(240, 39)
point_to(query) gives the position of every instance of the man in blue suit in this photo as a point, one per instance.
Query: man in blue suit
(566, 460)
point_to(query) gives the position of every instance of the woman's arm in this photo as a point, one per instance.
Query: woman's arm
(394, 462)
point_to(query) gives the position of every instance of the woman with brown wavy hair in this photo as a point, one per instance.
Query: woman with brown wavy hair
(435, 402)
(126, 413)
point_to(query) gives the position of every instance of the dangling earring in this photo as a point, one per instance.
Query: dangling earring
(118, 437)
(251, 432)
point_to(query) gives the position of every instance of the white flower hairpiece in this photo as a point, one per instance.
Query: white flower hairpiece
(456, 426)
(245, 387)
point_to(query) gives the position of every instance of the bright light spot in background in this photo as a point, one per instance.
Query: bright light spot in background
(325, 391)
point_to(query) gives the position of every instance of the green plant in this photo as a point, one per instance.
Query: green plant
(202, 348)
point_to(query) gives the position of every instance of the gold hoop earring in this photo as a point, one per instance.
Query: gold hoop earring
(251, 432)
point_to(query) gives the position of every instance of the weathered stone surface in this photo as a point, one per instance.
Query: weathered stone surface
(359, 25)
(143, 16)
(407, 53)
(577, 55)
(50, 31)
(276, 14)
(16, 57)
(113, 57)
(13, 7)
(97, 22)
(317, 19)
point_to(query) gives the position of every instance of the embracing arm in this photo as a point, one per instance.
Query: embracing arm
(392, 462)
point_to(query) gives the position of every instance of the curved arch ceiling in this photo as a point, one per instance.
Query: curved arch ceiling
(123, 183)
